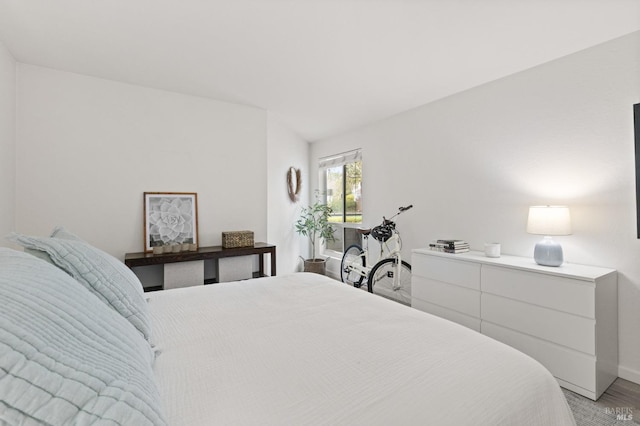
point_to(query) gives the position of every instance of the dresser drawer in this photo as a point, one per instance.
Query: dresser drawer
(564, 317)
(460, 299)
(560, 293)
(565, 364)
(558, 327)
(465, 274)
(462, 319)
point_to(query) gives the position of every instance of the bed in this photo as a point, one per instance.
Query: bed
(291, 350)
(304, 349)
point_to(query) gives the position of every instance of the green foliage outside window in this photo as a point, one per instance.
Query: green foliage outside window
(346, 207)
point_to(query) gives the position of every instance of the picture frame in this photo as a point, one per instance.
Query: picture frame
(170, 218)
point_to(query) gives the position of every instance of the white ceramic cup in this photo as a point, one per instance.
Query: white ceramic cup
(492, 249)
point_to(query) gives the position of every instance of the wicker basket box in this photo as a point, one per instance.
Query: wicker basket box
(234, 239)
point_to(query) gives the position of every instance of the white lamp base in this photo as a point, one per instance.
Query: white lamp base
(548, 253)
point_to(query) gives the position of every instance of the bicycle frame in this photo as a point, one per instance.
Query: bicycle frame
(384, 247)
(390, 247)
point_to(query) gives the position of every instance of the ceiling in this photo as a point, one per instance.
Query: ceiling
(321, 66)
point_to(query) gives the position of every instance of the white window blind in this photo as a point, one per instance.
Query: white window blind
(340, 159)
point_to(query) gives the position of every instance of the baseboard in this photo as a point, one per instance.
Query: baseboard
(629, 374)
(333, 268)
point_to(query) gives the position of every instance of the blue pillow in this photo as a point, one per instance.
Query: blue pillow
(58, 232)
(104, 275)
(65, 357)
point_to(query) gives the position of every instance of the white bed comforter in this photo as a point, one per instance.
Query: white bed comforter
(303, 349)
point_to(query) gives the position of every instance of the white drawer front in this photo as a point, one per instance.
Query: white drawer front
(466, 274)
(565, 364)
(457, 317)
(558, 327)
(564, 294)
(449, 296)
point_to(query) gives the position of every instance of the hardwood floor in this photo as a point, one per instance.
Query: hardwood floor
(621, 399)
(622, 393)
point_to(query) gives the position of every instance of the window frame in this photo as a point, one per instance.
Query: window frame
(325, 163)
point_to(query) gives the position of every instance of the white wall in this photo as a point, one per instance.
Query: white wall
(88, 148)
(560, 133)
(7, 142)
(284, 150)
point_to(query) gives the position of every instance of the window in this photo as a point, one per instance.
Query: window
(342, 178)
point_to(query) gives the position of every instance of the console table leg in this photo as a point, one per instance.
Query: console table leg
(261, 264)
(273, 262)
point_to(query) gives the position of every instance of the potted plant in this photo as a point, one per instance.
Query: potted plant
(314, 223)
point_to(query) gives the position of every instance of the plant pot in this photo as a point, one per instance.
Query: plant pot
(317, 266)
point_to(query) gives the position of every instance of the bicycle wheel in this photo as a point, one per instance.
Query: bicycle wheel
(382, 280)
(352, 256)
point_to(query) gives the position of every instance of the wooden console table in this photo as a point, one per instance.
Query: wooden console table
(203, 253)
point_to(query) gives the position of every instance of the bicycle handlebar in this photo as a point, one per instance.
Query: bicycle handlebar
(400, 210)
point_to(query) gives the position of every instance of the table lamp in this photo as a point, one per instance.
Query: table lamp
(548, 221)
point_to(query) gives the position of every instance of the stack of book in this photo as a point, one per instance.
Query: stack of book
(450, 246)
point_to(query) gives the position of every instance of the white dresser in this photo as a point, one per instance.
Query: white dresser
(564, 317)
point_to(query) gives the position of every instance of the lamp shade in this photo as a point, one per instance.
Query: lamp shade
(549, 220)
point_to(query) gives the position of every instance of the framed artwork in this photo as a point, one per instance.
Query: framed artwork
(170, 217)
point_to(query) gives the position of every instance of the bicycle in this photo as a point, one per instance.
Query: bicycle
(390, 276)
